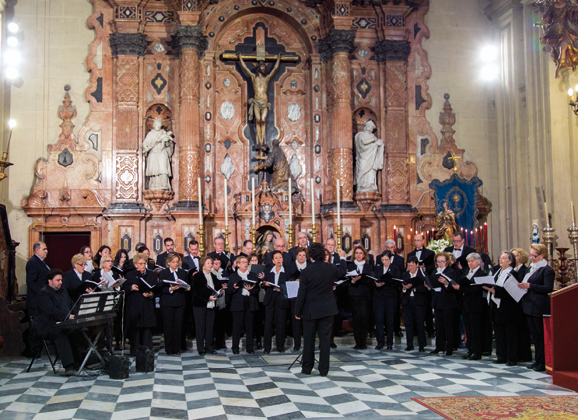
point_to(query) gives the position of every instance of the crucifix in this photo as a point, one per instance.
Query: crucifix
(454, 159)
(259, 105)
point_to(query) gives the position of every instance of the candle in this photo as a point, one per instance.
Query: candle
(573, 215)
(253, 198)
(312, 204)
(466, 238)
(485, 237)
(476, 238)
(200, 203)
(290, 204)
(226, 208)
(338, 205)
(471, 237)
(547, 218)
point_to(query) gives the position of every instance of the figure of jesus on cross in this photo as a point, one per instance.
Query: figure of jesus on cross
(259, 106)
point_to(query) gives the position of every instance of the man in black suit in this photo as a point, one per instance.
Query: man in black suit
(170, 247)
(301, 243)
(415, 300)
(461, 252)
(279, 246)
(316, 307)
(36, 270)
(225, 257)
(54, 305)
(425, 258)
(191, 261)
(330, 245)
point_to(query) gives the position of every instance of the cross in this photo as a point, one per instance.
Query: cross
(454, 158)
(260, 53)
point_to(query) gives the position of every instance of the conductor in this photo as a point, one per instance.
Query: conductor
(316, 306)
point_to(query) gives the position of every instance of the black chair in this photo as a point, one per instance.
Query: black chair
(37, 354)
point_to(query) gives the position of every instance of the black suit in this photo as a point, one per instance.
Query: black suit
(474, 309)
(507, 318)
(360, 301)
(36, 270)
(536, 304)
(397, 260)
(295, 323)
(191, 263)
(76, 287)
(466, 250)
(140, 310)
(427, 256)
(444, 303)
(173, 309)
(316, 307)
(226, 258)
(243, 307)
(54, 306)
(415, 300)
(385, 301)
(204, 316)
(524, 336)
(275, 309)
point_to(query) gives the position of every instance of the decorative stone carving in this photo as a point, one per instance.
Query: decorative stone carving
(398, 180)
(189, 37)
(126, 177)
(158, 148)
(294, 112)
(396, 88)
(337, 41)
(295, 167)
(66, 112)
(227, 167)
(127, 44)
(227, 110)
(341, 161)
(158, 198)
(127, 78)
(388, 50)
(369, 158)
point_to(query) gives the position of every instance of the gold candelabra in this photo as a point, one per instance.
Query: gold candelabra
(338, 234)
(226, 233)
(201, 241)
(3, 165)
(253, 234)
(290, 233)
(313, 233)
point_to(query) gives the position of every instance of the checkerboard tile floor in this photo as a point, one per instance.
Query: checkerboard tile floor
(368, 383)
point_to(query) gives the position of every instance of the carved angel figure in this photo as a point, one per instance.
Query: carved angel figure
(557, 17)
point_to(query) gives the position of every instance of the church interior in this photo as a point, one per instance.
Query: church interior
(127, 122)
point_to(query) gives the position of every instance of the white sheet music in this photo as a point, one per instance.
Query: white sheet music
(511, 286)
(485, 280)
(352, 274)
(292, 289)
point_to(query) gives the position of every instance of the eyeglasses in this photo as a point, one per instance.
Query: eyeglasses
(141, 263)
(534, 256)
(88, 252)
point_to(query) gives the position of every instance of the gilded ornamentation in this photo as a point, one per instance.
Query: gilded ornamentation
(126, 177)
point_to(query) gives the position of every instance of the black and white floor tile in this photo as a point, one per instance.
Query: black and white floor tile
(367, 383)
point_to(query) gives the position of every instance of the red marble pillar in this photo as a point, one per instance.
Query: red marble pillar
(337, 46)
(190, 43)
(127, 48)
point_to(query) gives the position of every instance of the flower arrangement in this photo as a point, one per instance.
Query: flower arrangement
(438, 245)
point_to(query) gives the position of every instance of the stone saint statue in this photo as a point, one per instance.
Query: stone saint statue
(281, 172)
(158, 148)
(259, 106)
(446, 223)
(369, 152)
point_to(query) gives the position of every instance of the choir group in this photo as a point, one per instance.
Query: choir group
(456, 295)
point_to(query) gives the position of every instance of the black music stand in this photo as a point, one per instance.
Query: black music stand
(90, 310)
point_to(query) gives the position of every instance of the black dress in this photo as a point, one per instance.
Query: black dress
(360, 301)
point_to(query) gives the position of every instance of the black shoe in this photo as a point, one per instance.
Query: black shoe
(266, 351)
(539, 368)
(431, 335)
(297, 348)
(358, 347)
(250, 352)
(379, 347)
(305, 372)
(259, 346)
(466, 356)
(532, 366)
(235, 351)
(409, 348)
(474, 356)
(389, 348)
(398, 334)
(486, 353)
(422, 349)
(449, 353)
(323, 373)
(499, 362)
(281, 350)
(201, 353)
(435, 351)
(333, 345)
(69, 371)
(212, 351)
(511, 363)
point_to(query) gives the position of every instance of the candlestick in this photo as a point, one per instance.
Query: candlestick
(226, 208)
(3, 165)
(573, 215)
(548, 237)
(338, 234)
(338, 204)
(226, 234)
(573, 236)
(200, 201)
(290, 204)
(290, 234)
(201, 242)
(253, 202)
(253, 234)
(312, 204)
(313, 233)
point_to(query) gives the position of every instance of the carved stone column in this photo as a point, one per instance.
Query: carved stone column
(127, 48)
(189, 44)
(396, 178)
(337, 47)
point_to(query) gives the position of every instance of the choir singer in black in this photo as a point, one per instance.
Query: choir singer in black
(316, 306)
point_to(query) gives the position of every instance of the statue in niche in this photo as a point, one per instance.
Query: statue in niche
(265, 242)
(281, 172)
(369, 152)
(158, 148)
(556, 19)
(446, 223)
(258, 105)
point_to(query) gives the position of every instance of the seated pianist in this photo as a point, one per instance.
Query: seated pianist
(54, 305)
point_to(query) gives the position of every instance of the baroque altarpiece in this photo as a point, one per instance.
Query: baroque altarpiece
(332, 68)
